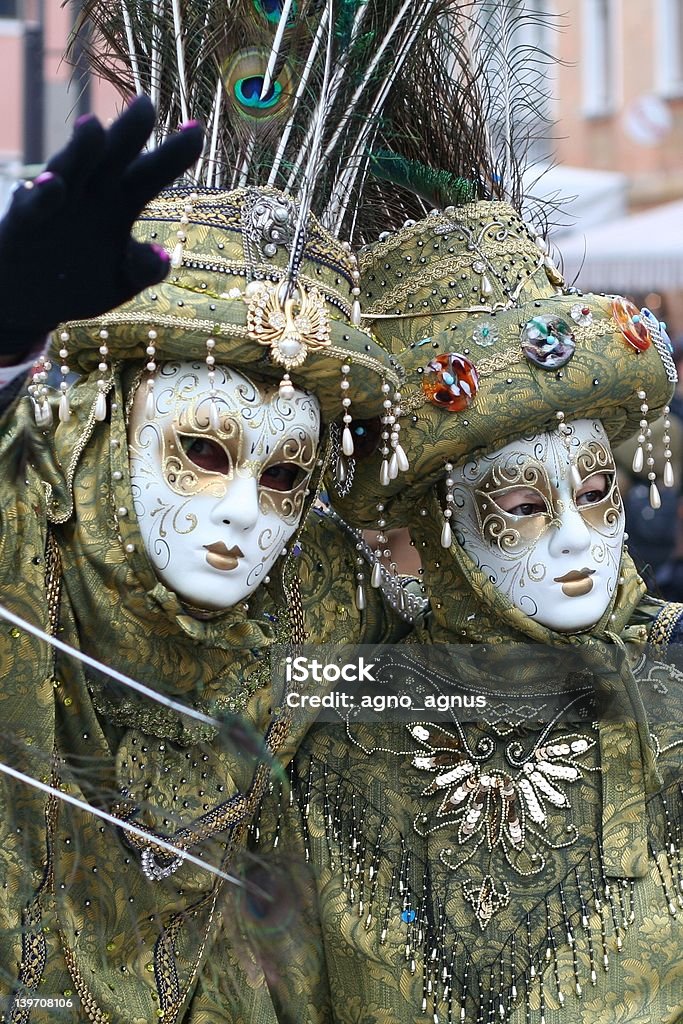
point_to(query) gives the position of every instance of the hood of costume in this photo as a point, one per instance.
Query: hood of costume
(495, 829)
(494, 348)
(75, 565)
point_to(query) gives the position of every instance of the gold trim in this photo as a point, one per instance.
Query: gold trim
(438, 271)
(500, 307)
(500, 361)
(664, 625)
(87, 1000)
(34, 947)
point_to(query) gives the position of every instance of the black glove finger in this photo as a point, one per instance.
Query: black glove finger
(154, 171)
(82, 153)
(127, 136)
(35, 202)
(143, 265)
(45, 199)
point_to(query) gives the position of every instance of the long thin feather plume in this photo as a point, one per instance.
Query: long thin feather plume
(427, 79)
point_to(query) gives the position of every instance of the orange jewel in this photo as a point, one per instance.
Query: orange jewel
(631, 323)
(450, 381)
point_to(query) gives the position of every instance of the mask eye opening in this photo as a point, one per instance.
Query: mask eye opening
(206, 453)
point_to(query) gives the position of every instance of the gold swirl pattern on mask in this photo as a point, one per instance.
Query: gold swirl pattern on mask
(604, 515)
(179, 478)
(182, 473)
(500, 528)
(300, 451)
(593, 457)
(287, 505)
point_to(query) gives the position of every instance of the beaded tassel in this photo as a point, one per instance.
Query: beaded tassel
(355, 292)
(513, 964)
(101, 400)
(38, 391)
(376, 576)
(463, 993)
(327, 819)
(390, 900)
(643, 455)
(448, 991)
(347, 436)
(360, 592)
(373, 875)
(398, 461)
(380, 551)
(64, 405)
(278, 823)
(532, 966)
(179, 250)
(663, 882)
(150, 408)
(353, 846)
(668, 469)
(214, 418)
(286, 388)
(566, 433)
(446, 532)
(402, 463)
(385, 468)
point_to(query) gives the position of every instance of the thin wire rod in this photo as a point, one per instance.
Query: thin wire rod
(127, 826)
(113, 673)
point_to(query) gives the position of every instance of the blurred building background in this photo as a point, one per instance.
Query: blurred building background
(616, 79)
(40, 94)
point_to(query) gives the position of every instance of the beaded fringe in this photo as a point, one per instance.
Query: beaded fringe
(453, 989)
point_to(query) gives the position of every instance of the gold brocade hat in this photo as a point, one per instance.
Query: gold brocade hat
(494, 349)
(230, 299)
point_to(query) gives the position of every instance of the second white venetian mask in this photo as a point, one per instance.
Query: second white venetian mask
(543, 518)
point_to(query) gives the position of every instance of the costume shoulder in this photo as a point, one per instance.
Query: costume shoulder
(335, 575)
(663, 621)
(658, 669)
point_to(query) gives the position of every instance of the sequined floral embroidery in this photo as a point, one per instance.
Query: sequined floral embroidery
(506, 809)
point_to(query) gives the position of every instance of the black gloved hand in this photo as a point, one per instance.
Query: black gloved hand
(66, 251)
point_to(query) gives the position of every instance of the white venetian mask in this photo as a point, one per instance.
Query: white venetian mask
(215, 506)
(543, 518)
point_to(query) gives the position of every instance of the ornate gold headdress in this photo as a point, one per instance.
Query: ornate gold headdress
(494, 348)
(292, 93)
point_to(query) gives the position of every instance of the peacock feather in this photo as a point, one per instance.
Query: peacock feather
(298, 94)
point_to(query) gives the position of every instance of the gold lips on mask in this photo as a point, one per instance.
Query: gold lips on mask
(576, 582)
(219, 556)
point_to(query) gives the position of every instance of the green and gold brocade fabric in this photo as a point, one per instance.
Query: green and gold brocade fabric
(80, 920)
(420, 904)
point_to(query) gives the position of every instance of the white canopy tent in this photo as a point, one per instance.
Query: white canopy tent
(635, 254)
(583, 197)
